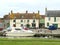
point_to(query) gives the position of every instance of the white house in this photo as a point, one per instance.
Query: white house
(52, 18)
(22, 19)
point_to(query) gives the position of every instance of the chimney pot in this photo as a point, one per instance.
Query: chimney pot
(11, 11)
(26, 11)
(38, 11)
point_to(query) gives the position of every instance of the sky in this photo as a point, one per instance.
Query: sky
(31, 5)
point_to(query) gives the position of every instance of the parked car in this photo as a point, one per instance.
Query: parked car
(52, 27)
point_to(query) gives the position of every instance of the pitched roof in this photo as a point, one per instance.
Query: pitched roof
(53, 13)
(22, 16)
(42, 16)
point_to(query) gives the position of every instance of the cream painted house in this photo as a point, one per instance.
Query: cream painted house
(30, 20)
(52, 18)
(23, 22)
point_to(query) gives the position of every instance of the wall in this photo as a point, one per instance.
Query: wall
(52, 21)
(18, 22)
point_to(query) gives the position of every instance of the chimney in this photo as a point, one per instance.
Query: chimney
(45, 9)
(38, 11)
(11, 11)
(26, 11)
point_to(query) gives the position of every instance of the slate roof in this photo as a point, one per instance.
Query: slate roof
(53, 13)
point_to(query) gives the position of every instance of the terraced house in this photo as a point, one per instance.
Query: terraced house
(30, 20)
(1, 24)
(52, 18)
(42, 21)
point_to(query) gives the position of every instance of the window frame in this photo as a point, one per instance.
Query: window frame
(47, 24)
(21, 20)
(34, 20)
(54, 19)
(27, 20)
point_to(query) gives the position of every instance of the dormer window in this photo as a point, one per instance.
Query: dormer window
(22, 16)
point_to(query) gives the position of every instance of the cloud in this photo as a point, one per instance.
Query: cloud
(30, 5)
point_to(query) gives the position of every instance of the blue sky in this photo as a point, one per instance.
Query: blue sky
(31, 5)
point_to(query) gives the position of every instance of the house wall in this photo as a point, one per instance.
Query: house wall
(51, 21)
(18, 22)
(6, 23)
(42, 21)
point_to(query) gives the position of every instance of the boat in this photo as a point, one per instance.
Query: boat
(19, 31)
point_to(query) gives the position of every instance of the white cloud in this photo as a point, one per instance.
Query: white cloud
(30, 5)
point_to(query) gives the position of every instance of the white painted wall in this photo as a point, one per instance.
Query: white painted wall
(52, 21)
(18, 22)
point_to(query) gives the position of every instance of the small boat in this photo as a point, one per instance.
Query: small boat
(19, 31)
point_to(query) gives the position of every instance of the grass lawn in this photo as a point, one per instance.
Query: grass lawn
(30, 41)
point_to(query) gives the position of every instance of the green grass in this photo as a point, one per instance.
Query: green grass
(30, 41)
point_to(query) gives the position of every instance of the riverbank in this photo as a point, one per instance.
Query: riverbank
(29, 41)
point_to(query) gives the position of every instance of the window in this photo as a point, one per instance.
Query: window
(49, 18)
(8, 24)
(28, 25)
(21, 20)
(34, 25)
(14, 25)
(33, 20)
(21, 16)
(47, 24)
(54, 19)
(17, 29)
(14, 20)
(21, 25)
(27, 20)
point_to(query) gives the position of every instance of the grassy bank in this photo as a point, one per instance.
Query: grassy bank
(31, 41)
